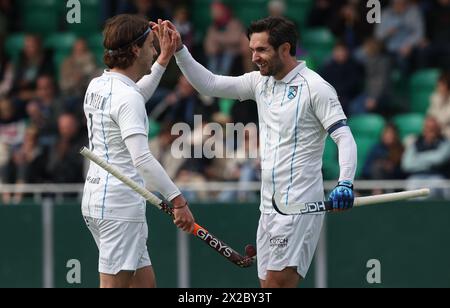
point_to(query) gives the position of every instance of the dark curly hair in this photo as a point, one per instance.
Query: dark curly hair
(121, 34)
(280, 31)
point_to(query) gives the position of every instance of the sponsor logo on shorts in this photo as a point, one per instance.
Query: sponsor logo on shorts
(279, 242)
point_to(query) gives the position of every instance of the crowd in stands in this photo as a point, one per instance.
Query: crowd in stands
(392, 78)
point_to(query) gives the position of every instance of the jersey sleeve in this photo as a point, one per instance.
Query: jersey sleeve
(326, 105)
(131, 115)
(207, 83)
(149, 83)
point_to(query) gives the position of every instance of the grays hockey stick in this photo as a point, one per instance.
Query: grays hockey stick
(327, 206)
(199, 232)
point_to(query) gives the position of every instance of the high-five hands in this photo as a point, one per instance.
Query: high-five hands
(162, 26)
(168, 42)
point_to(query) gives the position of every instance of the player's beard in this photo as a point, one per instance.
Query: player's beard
(274, 66)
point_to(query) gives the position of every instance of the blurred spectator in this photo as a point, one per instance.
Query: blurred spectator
(344, 74)
(438, 26)
(384, 160)
(184, 26)
(242, 168)
(323, 12)
(180, 105)
(12, 127)
(440, 104)
(34, 62)
(3, 18)
(77, 70)
(161, 149)
(44, 110)
(195, 166)
(29, 159)
(402, 31)
(27, 164)
(350, 24)
(276, 8)
(12, 132)
(6, 71)
(110, 8)
(428, 157)
(4, 160)
(189, 175)
(377, 67)
(9, 19)
(223, 40)
(243, 63)
(247, 111)
(148, 8)
(244, 112)
(65, 164)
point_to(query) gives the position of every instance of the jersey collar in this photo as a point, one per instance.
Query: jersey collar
(292, 74)
(122, 78)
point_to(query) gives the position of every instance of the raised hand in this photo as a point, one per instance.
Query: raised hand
(167, 42)
(175, 33)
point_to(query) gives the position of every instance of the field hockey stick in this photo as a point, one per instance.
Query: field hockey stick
(199, 232)
(327, 206)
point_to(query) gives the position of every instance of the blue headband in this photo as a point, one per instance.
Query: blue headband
(144, 35)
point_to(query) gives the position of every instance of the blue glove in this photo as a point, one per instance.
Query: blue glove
(342, 196)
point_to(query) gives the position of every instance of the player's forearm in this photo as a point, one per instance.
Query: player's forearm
(164, 60)
(157, 179)
(203, 80)
(149, 168)
(348, 153)
(149, 83)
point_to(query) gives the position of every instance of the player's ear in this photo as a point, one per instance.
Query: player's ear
(285, 49)
(136, 50)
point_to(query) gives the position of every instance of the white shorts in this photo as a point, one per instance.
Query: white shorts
(122, 245)
(287, 242)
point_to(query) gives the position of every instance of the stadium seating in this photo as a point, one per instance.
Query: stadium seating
(319, 43)
(309, 62)
(421, 86)
(249, 10)
(95, 43)
(368, 125)
(41, 16)
(201, 17)
(154, 129)
(14, 46)
(365, 145)
(58, 61)
(408, 124)
(60, 42)
(330, 156)
(298, 11)
(226, 105)
(330, 167)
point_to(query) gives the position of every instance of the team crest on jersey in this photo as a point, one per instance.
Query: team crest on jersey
(293, 92)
